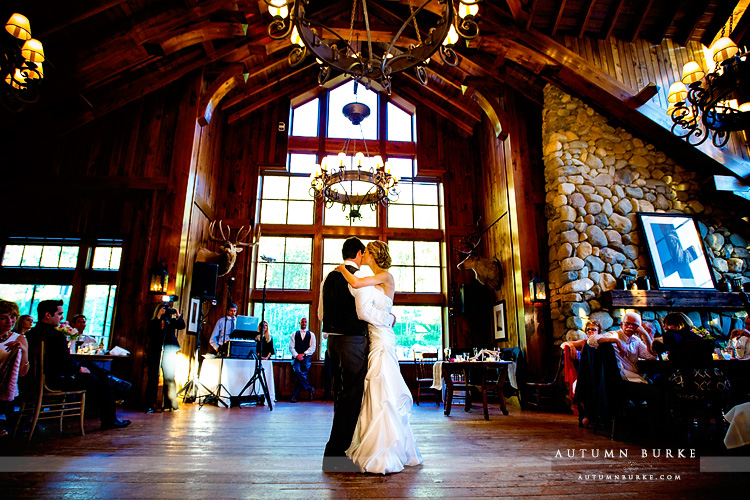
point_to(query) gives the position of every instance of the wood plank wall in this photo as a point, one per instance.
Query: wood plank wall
(639, 63)
(133, 148)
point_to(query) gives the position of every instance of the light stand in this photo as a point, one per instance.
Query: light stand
(189, 391)
(260, 373)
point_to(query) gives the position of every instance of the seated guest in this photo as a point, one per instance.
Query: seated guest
(739, 341)
(683, 345)
(592, 327)
(573, 353)
(14, 360)
(630, 345)
(265, 340)
(63, 373)
(24, 324)
(88, 343)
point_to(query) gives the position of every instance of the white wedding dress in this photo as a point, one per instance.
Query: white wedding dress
(383, 441)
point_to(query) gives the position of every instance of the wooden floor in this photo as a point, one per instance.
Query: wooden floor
(251, 452)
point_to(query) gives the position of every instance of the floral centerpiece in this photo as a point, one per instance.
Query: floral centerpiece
(701, 331)
(69, 331)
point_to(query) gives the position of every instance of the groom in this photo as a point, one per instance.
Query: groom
(347, 351)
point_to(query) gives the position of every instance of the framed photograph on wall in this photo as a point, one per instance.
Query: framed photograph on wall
(193, 315)
(675, 247)
(501, 330)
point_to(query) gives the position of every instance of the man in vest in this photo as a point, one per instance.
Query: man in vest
(302, 347)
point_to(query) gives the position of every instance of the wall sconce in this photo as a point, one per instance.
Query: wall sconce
(537, 290)
(159, 279)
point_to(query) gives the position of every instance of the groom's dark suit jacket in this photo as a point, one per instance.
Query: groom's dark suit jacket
(339, 308)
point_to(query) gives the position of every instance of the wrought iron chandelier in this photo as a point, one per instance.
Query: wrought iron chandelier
(366, 55)
(358, 179)
(707, 103)
(20, 65)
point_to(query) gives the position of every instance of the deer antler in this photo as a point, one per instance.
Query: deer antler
(250, 230)
(473, 245)
(211, 230)
(241, 237)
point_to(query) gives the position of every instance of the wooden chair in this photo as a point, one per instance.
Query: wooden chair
(544, 394)
(424, 362)
(43, 403)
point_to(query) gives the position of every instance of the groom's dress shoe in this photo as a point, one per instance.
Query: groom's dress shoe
(312, 393)
(339, 464)
(118, 384)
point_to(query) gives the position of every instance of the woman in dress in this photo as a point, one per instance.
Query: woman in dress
(383, 441)
(24, 324)
(14, 359)
(266, 349)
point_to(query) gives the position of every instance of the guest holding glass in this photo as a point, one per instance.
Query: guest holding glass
(592, 327)
(162, 352)
(265, 340)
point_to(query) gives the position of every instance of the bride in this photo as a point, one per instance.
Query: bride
(383, 441)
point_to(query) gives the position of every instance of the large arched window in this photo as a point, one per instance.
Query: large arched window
(304, 237)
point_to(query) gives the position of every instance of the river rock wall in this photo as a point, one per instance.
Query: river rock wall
(598, 176)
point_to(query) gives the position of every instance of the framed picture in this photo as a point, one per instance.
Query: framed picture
(193, 315)
(501, 331)
(676, 251)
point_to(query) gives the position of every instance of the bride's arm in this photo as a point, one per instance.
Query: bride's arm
(356, 282)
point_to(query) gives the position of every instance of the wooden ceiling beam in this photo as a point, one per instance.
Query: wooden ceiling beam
(262, 88)
(721, 16)
(691, 21)
(638, 26)
(285, 92)
(516, 10)
(80, 16)
(534, 5)
(419, 99)
(451, 101)
(660, 27)
(585, 19)
(253, 73)
(558, 19)
(611, 21)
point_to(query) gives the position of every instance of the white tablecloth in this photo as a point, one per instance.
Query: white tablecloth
(738, 433)
(437, 375)
(235, 374)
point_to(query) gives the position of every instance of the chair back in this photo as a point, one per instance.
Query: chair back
(424, 361)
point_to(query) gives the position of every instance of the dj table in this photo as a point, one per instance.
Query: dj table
(235, 374)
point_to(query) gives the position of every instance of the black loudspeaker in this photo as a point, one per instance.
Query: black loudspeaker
(204, 280)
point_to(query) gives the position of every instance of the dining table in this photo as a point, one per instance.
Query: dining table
(478, 375)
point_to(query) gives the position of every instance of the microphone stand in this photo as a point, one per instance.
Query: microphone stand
(260, 373)
(215, 398)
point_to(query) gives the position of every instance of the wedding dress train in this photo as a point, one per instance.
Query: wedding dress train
(383, 441)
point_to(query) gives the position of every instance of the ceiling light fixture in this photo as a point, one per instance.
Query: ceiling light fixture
(21, 60)
(371, 55)
(706, 103)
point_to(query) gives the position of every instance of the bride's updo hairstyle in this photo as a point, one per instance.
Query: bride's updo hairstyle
(380, 253)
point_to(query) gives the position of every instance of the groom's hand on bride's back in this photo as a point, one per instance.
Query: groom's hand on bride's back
(394, 320)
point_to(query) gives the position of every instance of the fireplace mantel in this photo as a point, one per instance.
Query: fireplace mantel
(671, 299)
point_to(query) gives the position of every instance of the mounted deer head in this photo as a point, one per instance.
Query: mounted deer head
(487, 272)
(228, 250)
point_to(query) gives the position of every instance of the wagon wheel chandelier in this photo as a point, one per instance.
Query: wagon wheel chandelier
(358, 179)
(366, 55)
(708, 103)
